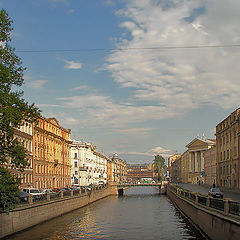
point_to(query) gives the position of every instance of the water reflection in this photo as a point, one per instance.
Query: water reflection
(140, 214)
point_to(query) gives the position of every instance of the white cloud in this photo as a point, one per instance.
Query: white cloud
(73, 65)
(179, 80)
(37, 84)
(151, 153)
(82, 87)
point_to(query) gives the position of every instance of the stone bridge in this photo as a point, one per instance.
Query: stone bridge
(161, 186)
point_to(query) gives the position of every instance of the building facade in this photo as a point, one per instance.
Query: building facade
(52, 166)
(184, 167)
(170, 167)
(210, 166)
(136, 172)
(196, 148)
(24, 134)
(119, 168)
(175, 176)
(227, 151)
(88, 165)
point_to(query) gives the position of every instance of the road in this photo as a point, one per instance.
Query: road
(203, 189)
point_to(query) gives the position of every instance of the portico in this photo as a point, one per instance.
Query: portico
(196, 149)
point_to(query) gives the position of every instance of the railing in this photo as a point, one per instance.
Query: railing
(217, 204)
(223, 205)
(59, 195)
(202, 200)
(234, 208)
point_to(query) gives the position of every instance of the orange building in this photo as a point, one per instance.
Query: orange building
(51, 151)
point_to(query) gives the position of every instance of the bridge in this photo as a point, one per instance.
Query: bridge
(161, 186)
(125, 185)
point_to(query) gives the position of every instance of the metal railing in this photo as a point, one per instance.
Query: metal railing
(44, 197)
(223, 205)
(216, 203)
(234, 208)
(202, 200)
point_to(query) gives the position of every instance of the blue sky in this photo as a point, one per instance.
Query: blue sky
(137, 102)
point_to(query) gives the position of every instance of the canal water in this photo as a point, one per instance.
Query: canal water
(141, 214)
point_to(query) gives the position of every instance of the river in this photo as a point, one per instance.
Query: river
(140, 214)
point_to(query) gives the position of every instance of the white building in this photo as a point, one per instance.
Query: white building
(88, 165)
(24, 134)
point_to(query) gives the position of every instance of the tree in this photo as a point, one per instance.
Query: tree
(159, 166)
(13, 111)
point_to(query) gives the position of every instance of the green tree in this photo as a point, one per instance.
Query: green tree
(159, 166)
(13, 111)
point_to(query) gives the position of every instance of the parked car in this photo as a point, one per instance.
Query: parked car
(215, 192)
(47, 191)
(23, 197)
(34, 192)
(56, 190)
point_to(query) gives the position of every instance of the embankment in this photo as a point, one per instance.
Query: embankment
(216, 218)
(32, 214)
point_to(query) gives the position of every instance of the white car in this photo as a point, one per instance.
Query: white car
(32, 191)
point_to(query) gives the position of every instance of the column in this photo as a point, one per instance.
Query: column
(202, 160)
(195, 162)
(190, 162)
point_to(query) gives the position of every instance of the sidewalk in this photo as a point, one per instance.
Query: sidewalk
(204, 189)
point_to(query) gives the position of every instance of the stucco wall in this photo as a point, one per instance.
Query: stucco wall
(30, 215)
(214, 224)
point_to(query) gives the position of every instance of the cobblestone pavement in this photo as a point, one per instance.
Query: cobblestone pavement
(203, 189)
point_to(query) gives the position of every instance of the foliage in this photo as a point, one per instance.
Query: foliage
(159, 166)
(13, 109)
(9, 191)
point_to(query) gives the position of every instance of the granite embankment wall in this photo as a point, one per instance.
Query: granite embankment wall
(32, 214)
(213, 223)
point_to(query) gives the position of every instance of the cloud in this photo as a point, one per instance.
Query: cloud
(109, 2)
(37, 84)
(82, 87)
(178, 80)
(73, 65)
(152, 152)
(100, 110)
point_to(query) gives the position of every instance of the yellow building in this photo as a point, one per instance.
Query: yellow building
(228, 151)
(52, 168)
(195, 150)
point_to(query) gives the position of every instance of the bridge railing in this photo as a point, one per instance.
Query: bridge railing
(226, 206)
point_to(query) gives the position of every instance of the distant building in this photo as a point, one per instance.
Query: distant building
(170, 167)
(210, 166)
(135, 172)
(88, 165)
(175, 176)
(119, 168)
(228, 151)
(172, 159)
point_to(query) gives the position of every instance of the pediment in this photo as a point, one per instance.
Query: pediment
(199, 143)
(54, 121)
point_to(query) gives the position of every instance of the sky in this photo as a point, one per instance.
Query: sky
(133, 77)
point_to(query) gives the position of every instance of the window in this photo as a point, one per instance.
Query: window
(75, 164)
(75, 155)
(76, 173)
